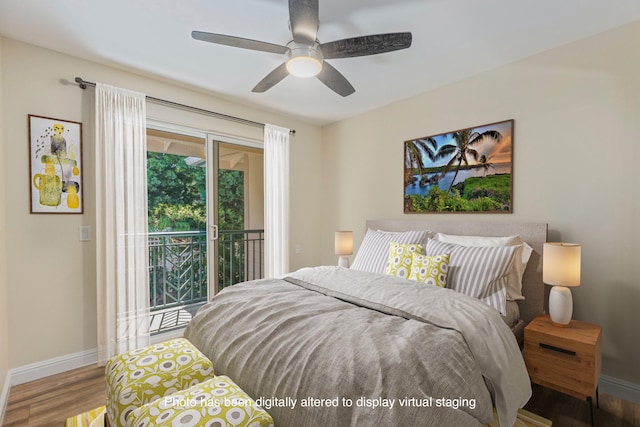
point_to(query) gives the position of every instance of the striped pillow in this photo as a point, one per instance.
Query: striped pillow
(475, 271)
(514, 278)
(373, 254)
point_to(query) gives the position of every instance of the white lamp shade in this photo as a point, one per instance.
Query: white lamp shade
(561, 264)
(344, 242)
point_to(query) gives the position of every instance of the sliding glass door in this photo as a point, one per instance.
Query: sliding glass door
(177, 225)
(206, 211)
(237, 211)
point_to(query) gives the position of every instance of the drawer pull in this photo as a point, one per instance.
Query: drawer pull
(558, 349)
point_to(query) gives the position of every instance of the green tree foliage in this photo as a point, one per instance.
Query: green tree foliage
(166, 217)
(177, 195)
(231, 200)
(438, 200)
(171, 181)
(496, 187)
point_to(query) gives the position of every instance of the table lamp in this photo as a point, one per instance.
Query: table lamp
(344, 247)
(561, 269)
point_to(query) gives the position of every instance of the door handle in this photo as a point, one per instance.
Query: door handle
(214, 232)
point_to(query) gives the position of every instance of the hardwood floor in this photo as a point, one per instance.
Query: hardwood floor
(567, 411)
(50, 401)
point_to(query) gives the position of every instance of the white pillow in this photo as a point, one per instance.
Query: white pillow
(476, 270)
(373, 254)
(514, 278)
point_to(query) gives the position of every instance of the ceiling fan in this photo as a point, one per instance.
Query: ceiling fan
(305, 56)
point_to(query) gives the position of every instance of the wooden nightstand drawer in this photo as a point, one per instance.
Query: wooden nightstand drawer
(565, 359)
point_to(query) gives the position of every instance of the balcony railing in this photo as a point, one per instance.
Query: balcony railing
(178, 270)
(240, 256)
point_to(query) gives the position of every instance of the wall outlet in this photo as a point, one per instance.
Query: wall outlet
(298, 248)
(85, 233)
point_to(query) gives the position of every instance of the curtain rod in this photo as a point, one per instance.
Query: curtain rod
(83, 84)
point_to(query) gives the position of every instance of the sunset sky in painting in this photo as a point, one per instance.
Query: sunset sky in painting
(496, 153)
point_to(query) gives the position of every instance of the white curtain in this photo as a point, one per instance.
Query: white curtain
(276, 195)
(121, 221)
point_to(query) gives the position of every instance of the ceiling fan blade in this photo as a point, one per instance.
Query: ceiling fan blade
(365, 45)
(272, 79)
(304, 20)
(238, 42)
(334, 80)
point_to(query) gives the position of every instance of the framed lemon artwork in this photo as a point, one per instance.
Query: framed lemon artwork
(55, 165)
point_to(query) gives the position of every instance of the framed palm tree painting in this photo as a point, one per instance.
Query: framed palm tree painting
(467, 170)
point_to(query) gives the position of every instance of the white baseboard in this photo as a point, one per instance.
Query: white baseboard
(620, 388)
(4, 396)
(57, 365)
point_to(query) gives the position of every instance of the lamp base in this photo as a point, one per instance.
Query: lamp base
(343, 261)
(560, 305)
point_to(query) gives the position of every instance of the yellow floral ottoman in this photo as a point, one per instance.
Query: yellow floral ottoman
(217, 402)
(141, 376)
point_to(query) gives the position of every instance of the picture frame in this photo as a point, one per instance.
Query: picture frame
(463, 171)
(55, 166)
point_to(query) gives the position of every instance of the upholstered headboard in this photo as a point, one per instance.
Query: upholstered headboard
(535, 234)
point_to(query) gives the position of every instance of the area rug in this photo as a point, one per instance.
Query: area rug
(93, 418)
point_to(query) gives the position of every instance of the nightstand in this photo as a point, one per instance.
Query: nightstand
(567, 359)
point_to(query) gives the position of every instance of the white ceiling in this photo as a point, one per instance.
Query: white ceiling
(452, 39)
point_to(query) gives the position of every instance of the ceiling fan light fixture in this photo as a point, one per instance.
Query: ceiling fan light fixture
(303, 60)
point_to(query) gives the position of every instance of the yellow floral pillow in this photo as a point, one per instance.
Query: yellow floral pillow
(431, 270)
(399, 262)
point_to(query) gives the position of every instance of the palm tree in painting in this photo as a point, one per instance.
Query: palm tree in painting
(465, 141)
(485, 164)
(414, 152)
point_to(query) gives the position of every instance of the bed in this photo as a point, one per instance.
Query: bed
(334, 346)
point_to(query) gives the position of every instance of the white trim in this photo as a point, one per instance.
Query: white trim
(175, 128)
(620, 388)
(4, 396)
(231, 139)
(57, 365)
(199, 133)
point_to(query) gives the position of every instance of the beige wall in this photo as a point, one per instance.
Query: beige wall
(50, 274)
(576, 112)
(4, 314)
(576, 153)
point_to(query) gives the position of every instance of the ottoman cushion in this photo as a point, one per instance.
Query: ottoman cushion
(143, 375)
(217, 402)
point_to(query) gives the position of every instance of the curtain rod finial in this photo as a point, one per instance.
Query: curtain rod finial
(80, 82)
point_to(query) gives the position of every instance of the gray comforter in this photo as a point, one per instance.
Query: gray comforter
(328, 346)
